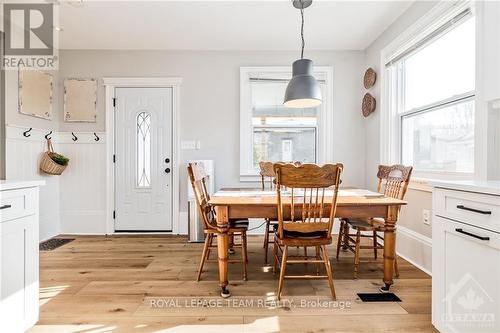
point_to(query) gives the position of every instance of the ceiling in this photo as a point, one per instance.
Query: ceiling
(224, 25)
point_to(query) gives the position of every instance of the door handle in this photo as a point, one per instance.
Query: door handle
(167, 170)
(167, 160)
(5, 206)
(475, 210)
(460, 230)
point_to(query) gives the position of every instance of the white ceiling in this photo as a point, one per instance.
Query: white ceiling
(224, 25)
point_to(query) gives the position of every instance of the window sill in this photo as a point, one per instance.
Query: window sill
(420, 184)
(421, 181)
(250, 178)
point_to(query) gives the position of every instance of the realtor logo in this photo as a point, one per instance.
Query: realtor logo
(29, 36)
(469, 308)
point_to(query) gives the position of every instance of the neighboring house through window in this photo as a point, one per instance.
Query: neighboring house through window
(273, 132)
(429, 98)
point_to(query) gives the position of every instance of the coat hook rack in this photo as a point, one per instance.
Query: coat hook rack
(74, 137)
(47, 136)
(97, 138)
(27, 133)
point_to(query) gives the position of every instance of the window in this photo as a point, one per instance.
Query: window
(280, 133)
(272, 132)
(143, 138)
(432, 90)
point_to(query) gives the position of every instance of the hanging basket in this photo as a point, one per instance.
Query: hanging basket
(48, 165)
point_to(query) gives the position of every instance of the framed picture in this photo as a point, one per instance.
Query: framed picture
(80, 100)
(35, 93)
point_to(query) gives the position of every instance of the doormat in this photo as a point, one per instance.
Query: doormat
(54, 243)
(379, 297)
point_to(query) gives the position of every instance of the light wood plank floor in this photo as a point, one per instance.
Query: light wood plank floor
(146, 284)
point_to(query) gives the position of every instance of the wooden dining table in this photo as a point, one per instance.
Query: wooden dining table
(242, 203)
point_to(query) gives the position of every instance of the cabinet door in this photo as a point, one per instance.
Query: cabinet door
(466, 278)
(18, 274)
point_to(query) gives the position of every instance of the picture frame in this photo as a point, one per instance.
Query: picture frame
(80, 100)
(35, 93)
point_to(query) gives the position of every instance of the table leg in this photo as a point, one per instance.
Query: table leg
(389, 247)
(223, 248)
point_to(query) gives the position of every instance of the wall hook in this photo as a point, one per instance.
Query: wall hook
(47, 137)
(96, 137)
(74, 137)
(27, 133)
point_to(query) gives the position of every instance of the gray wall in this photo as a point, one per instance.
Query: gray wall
(209, 110)
(372, 124)
(210, 99)
(415, 243)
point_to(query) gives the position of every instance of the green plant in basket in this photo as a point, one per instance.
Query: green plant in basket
(59, 159)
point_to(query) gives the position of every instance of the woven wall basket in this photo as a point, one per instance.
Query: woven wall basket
(47, 165)
(370, 78)
(369, 104)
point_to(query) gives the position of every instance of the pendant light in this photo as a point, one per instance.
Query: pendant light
(303, 90)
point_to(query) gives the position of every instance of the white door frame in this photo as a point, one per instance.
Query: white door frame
(110, 83)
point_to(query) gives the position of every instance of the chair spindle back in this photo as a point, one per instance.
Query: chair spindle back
(267, 175)
(309, 206)
(198, 178)
(393, 180)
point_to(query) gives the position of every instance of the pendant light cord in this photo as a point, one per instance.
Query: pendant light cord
(302, 30)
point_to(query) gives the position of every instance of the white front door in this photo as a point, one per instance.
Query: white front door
(143, 153)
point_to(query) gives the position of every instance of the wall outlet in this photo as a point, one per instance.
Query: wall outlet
(426, 217)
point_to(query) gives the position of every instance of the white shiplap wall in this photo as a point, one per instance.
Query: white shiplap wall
(73, 202)
(83, 185)
(22, 160)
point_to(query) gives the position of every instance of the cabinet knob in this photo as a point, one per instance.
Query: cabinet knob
(167, 170)
(167, 160)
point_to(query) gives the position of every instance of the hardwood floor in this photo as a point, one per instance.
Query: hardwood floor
(147, 284)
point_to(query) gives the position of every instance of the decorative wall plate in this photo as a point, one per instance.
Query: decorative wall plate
(370, 78)
(369, 104)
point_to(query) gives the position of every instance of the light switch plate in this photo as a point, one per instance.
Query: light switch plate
(188, 144)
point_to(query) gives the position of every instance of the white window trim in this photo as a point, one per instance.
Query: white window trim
(389, 121)
(325, 124)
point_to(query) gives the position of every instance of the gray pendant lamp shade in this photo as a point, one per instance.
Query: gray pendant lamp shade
(303, 90)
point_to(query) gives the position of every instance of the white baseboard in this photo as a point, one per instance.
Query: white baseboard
(83, 222)
(415, 248)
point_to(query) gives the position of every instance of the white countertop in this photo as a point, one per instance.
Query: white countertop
(15, 184)
(478, 186)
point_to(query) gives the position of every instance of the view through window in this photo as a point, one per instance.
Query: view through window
(435, 101)
(280, 133)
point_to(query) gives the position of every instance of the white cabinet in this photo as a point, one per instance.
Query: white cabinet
(18, 258)
(465, 261)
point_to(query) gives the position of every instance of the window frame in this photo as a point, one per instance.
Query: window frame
(391, 121)
(324, 129)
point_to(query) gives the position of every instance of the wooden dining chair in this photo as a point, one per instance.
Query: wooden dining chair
(393, 182)
(239, 228)
(305, 216)
(267, 183)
